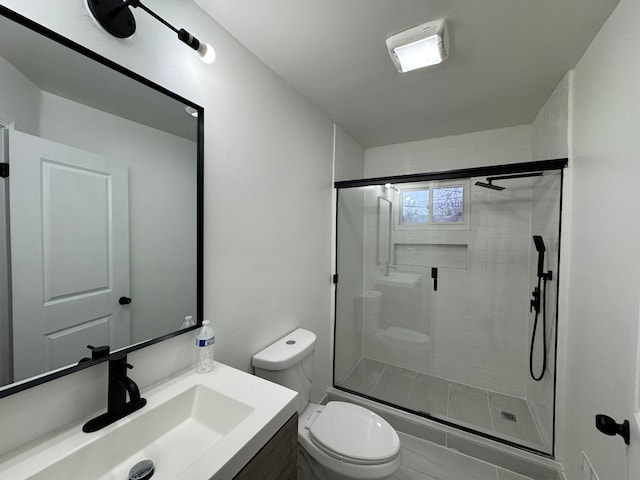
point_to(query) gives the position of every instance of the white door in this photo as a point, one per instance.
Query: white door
(69, 220)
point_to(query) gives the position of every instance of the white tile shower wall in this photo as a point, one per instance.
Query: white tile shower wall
(478, 320)
(549, 140)
(479, 334)
(545, 222)
(371, 267)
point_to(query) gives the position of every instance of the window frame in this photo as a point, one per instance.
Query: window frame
(431, 185)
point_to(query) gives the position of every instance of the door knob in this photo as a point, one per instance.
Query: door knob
(124, 300)
(608, 426)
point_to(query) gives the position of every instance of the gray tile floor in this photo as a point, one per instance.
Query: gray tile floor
(500, 415)
(422, 460)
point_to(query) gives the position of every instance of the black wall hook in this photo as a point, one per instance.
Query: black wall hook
(608, 426)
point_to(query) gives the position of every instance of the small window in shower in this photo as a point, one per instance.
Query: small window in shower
(448, 205)
(415, 206)
(432, 205)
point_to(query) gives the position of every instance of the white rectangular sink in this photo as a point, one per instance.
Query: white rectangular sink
(172, 434)
(193, 427)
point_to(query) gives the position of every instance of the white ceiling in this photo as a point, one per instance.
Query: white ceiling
(506, 58)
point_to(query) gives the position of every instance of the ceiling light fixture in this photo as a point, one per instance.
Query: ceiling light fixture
(117, 19)
(419, 46)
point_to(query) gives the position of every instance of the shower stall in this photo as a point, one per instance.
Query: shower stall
(446, 298)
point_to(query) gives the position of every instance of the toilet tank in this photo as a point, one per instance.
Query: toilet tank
(289, 362)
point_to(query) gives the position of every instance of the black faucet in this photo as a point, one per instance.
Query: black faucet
(119, 386)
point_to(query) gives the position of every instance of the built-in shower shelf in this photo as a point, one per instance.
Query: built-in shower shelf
(441, 255)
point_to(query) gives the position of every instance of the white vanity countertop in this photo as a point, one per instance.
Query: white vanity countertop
(266, 407)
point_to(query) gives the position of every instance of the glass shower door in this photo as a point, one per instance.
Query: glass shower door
(385, 299)
(433, 301)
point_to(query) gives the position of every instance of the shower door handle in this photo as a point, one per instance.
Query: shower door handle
(434, 275)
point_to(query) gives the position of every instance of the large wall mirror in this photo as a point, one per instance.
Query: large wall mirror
(101, 212)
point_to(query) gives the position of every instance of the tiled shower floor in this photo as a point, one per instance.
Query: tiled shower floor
(500, 415)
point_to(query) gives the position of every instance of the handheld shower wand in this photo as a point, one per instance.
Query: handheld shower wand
(539, 294)
(539, 243)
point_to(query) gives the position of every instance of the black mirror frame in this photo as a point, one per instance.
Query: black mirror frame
(39, 29)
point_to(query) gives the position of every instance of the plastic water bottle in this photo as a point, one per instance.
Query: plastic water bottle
(205, 341)
(188, 322)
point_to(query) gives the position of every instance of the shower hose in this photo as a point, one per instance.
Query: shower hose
(543, 293)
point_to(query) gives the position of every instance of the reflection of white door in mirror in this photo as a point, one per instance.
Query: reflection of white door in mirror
(71, 262)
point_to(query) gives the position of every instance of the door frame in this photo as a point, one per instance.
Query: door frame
(6, 317)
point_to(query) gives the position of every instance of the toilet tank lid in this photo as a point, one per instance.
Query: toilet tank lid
(286, 352)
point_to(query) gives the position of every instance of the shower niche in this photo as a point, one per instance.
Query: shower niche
(445, 306)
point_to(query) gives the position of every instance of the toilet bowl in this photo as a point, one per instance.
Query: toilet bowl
(343, 441)
(339, 440)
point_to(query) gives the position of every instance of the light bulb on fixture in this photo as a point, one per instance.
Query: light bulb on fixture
(206, 52)
(117, 19)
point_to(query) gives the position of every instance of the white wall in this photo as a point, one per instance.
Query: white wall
(268, 179)
(491, 147)
(22, 106)
(605, 266)
(349, 157)
(550, 128)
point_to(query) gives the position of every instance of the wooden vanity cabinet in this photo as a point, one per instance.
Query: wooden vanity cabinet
(278, 459)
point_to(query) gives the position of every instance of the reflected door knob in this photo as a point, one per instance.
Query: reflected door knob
(608, 426)
(124, 300)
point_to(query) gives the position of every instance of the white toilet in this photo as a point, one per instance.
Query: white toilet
(338, 441)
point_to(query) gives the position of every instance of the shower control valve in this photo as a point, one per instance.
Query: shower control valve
(535, 301)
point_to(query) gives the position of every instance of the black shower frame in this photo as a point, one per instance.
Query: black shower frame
(510, 168)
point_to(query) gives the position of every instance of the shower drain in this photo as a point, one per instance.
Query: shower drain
(511, 417)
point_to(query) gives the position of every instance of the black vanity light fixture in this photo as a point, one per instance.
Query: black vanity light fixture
(117, 19)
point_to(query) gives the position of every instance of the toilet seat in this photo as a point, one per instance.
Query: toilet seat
(353, 434)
